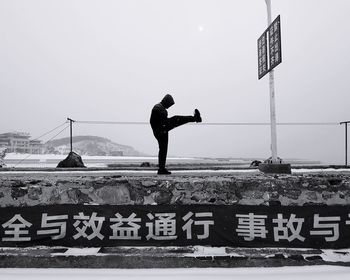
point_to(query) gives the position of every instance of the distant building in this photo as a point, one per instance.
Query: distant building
(63, 150)
(19, 142)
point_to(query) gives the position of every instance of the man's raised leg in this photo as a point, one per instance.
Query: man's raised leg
(176, 121)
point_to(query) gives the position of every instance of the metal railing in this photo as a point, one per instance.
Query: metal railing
(300, 128)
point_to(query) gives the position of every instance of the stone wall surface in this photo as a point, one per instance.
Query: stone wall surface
(252, 189)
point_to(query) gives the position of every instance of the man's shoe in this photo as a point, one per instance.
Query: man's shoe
(197, 116)
(163, 172)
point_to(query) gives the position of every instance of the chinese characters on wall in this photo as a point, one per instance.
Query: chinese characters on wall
(259, 226)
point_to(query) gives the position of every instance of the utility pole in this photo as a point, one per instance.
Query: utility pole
(272, 98)
(346, 141)
(71, 133)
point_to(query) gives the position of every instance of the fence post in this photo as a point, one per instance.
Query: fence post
(346, 141)
(71, 133)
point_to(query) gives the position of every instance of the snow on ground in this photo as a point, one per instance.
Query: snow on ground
(273, 273)
(341, 255)
(45, 157)
(51, 160)
(320, 170)
(201, 171)
(79, 252)
(131, 171)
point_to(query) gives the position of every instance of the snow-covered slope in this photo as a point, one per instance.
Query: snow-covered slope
(91, 146)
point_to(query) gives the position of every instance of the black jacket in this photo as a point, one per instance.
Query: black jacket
(159, 115)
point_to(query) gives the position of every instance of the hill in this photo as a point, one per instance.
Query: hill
(90, 146)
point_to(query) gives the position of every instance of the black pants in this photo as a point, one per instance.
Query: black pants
(163, 138)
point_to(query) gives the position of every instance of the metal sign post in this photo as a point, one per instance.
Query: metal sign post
(272, 98)
(269, 56)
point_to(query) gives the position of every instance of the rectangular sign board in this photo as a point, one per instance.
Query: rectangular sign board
(271, 40)
(313, 226)
(274, 31)
(262, 56)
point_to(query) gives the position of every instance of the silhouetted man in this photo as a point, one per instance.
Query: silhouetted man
(161, 125)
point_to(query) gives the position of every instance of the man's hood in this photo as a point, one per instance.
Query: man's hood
(168, 101)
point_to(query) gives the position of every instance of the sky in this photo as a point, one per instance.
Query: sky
(113, 60)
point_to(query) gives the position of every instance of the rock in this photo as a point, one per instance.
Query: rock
(334, 181)
(54, 196)
(149, 200)
(232, 198)
(313, 258)
(274, 195)
(77, 196)
(139, 200)
(292, 193)
(34, 182)
(296, 257)
(34, 192)
(73, 160)
(145, 164)
(18, 192)
(255, 163)
(114, 195)
(178, 199)
(163, 197)
(266, 196)
(311, 195)
(17, 184)
(327, 195)
(238, 194)
(62, 182)
(255, 195)
(200, 196)
(195, 198)
(222, 196)
(184, 186)
(278, 256)
(148, 184)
